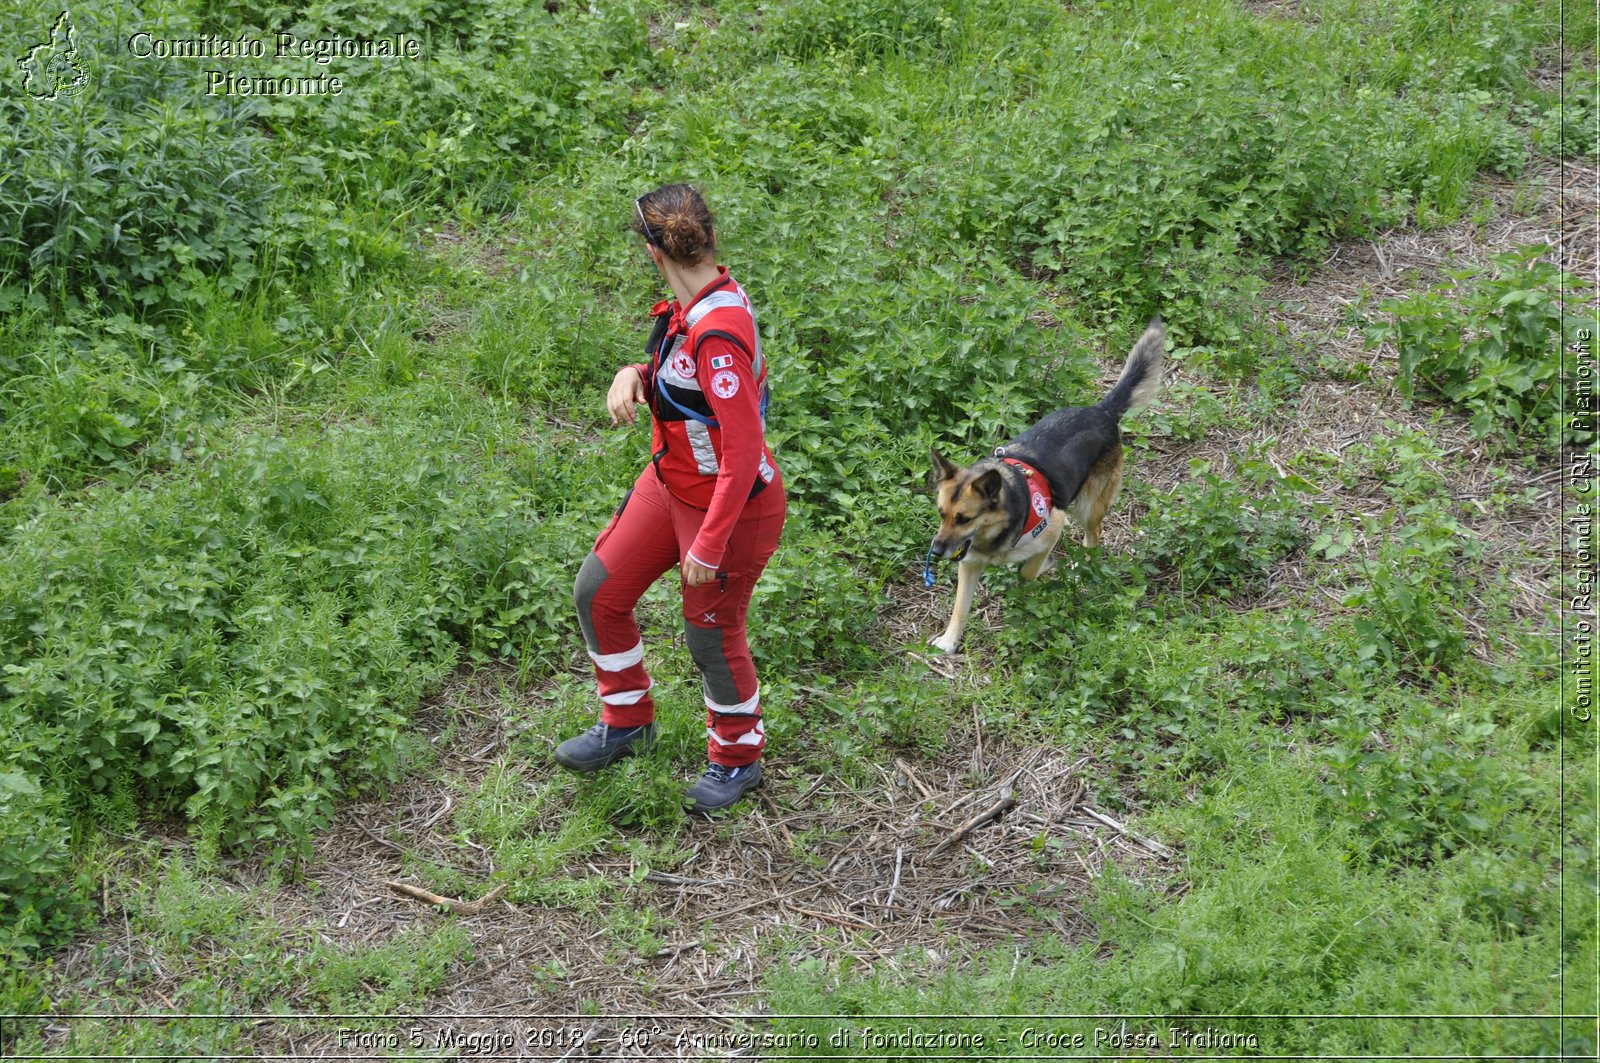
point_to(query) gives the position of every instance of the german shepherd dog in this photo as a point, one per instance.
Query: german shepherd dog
(1013, 507)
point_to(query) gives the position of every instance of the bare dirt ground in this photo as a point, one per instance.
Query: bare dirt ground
(988, 847)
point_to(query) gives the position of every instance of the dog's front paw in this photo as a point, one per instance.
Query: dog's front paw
(944, 644)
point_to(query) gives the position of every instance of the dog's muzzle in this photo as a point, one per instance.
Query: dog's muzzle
(934, 552)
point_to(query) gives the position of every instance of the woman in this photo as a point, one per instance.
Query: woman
(710, 501)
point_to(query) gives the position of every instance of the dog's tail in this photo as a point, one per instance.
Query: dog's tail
(1141, 377)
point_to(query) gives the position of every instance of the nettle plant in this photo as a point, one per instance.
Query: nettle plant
(1409, 604)
(136, 189)
(1419, 796)
(804, 28)
(1219, 536)
(1490, 341)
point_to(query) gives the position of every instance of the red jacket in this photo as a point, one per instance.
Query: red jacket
(706, 364)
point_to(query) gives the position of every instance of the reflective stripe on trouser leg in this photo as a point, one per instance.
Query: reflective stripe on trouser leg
(714, 625)
(628, 556)
(734, 734)
(733, 749)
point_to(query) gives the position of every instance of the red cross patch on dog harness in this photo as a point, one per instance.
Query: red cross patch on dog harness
(1038, 500)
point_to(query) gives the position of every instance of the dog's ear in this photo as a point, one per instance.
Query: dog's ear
(942, 469)
(990, 484)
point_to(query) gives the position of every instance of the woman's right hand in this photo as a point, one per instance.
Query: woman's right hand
(627, 391)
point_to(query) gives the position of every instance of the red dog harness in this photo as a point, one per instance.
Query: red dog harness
(1038, 501)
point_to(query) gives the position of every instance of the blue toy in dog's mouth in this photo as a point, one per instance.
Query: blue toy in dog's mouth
(928, 578)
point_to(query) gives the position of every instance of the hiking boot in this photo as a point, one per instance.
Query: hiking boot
(602, 744)
(721, 786)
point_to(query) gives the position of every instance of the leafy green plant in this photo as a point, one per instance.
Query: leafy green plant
(136, 188)
(502, 92)
(37, 904)
(246, 643)
(1567, 127)
(1185, 412)
(1490, 342)
(1276, 915)
(1410, 605)
(246, 526)
(814, 606)
(386, 977)
(1406, 461)
(806, 28)
(1217, 537)
(1429, 789)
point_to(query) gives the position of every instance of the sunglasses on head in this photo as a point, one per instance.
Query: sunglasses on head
(648, 235)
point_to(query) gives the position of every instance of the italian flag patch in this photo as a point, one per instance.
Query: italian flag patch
(722, 361)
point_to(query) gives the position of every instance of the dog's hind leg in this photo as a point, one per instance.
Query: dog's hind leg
(1099, 491)
(966, 586)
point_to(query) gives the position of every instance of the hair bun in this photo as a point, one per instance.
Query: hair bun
(680, 222)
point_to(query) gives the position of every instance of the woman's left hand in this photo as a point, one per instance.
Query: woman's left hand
(627, 391)
(695, 574)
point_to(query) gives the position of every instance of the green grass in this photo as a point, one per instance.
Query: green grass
(1278, 920)
(266, 482)
(220, 951)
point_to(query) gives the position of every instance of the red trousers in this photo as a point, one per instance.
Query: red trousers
(649, 534)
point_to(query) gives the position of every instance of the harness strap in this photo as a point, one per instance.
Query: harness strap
(660, 339)
(661, 335)
(1038, 500)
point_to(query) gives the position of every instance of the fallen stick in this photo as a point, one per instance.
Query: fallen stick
(836, 920)
(772, 806)
(1008, 798)
(666, 879)
(449, 805)
(977, 734)
(385, 842)
(763, 900)
(1155, 847)
(894, 887)
(911, 776)
(458, 906)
